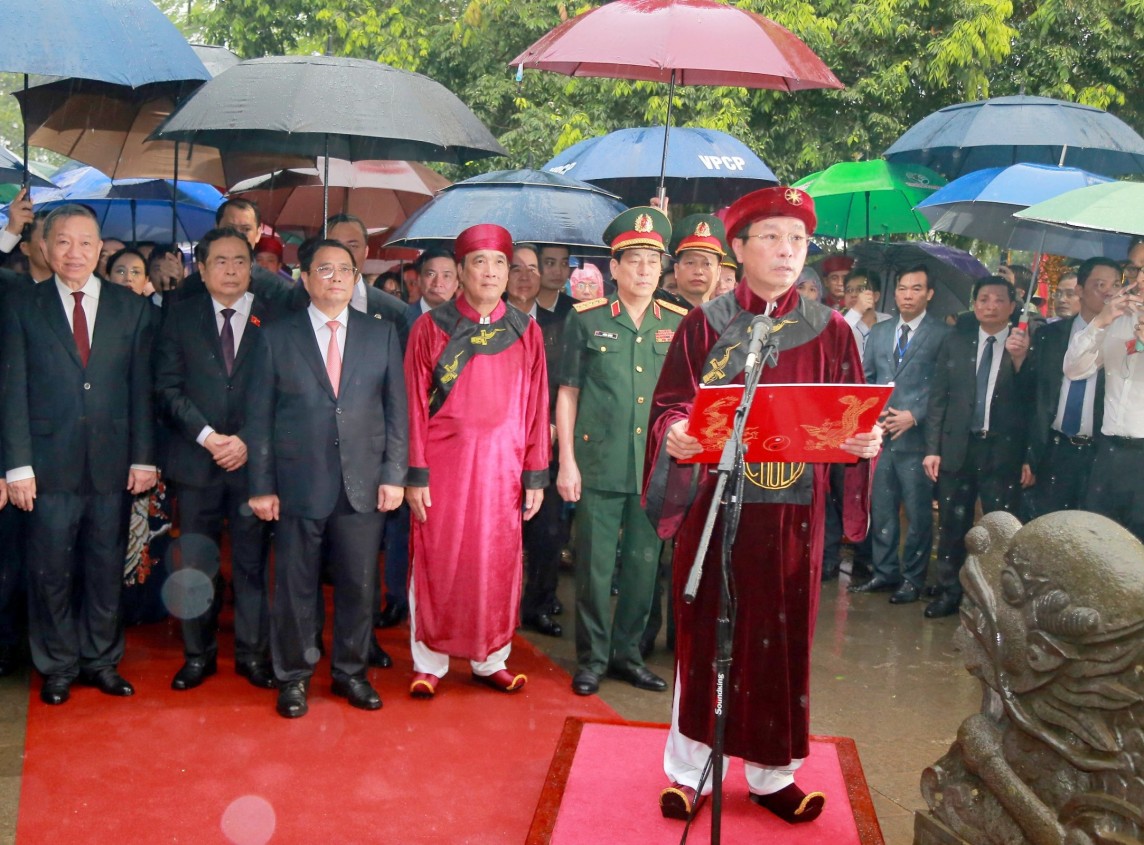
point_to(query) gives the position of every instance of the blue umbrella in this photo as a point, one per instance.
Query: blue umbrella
(703, 165)
(135, 209)
(125, 42)
(982, 204)
(1008, 130)
(533, 205)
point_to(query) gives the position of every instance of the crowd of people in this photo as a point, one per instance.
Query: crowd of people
(452, 417)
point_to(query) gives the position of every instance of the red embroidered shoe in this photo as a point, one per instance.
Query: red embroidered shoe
(424, 685)
(792, 805)
(679, 802)
(502, 680)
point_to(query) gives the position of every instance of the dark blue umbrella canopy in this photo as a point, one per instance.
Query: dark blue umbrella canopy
(703, 165)
(126, 42)
(1008, 130)
(12, 170)
(533, 205)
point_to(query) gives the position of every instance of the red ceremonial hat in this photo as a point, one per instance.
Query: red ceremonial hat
(836, 264)
(270, 243)
(483, 236)
(779, 201)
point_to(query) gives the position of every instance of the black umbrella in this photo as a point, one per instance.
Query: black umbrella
(334, 107)
(533, 205)
(1008, 130)
(951, 271)
(125, 42)
(12, 169)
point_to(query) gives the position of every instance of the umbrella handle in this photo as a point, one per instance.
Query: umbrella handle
(661, 192)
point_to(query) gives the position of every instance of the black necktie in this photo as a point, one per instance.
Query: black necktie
(226, 337)
(903, 343)
(982, 400)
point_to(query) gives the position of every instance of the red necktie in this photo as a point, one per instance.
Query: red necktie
(334, 357)
(79, 328)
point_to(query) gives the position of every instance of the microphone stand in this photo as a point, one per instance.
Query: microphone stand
(728, 499)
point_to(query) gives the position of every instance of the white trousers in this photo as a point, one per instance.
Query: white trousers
(684, 759)
(433, 662)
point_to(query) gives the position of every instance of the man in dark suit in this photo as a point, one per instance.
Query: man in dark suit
(437, 279)
(206, 358)
(77, 427)
(903, 352)
(328, 451)
(978, 418)
(243, 216)
(1067, 414)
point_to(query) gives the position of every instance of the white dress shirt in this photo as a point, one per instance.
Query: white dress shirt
(8, 240)
(860, 329)
(1093, 348)
(998, 353)
(1086, 416)
(322, 332)
(359, 301)
(238, 320)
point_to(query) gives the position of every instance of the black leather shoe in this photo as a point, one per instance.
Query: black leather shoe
(195, 670)
(905, 594)
(258, 674)
(639, 677)
(542, 623)
(585, 682)
(944, 605)
(292, 700)
(56, 690)
(358, 692)
(378, 656)
(556, 608)
(877, 584)
(108, 682)
(393, 615)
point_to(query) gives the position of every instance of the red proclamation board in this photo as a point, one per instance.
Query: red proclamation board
(788, 423)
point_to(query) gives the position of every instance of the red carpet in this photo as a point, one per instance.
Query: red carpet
(607, 777)
(218, 765)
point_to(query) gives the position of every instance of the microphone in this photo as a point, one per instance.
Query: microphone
(761, 328)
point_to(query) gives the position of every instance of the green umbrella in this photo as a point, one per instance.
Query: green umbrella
(1109, 207)
(864, 199)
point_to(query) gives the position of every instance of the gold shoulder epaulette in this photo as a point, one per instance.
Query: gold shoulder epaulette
(671, 306)
(589, 304)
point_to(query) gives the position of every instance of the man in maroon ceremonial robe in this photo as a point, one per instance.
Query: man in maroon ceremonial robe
(777, 553)
(479, 440)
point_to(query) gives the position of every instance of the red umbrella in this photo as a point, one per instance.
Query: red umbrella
(684, 42)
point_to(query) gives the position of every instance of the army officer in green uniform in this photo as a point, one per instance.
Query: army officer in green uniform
(613, 351)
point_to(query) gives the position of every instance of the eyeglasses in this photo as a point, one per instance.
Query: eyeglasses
(773, 239)
(1131, 271)
(328, 271)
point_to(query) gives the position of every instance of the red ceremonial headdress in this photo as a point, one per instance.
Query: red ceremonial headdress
(483, 236)
(837, 264)
(270, 243)
(770, 202)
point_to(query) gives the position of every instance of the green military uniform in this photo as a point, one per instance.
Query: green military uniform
(615, 366)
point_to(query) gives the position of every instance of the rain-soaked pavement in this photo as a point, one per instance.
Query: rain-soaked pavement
(883, 675)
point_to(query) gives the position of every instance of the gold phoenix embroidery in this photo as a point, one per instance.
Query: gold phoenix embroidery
(831, 433)
(484, 337)
(717, 365)
(778, 327)
(451, 369)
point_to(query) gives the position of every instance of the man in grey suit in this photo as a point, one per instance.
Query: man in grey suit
(903, 352)
(328, 451)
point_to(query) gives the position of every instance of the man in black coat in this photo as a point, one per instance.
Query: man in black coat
(978, 417)
(1067, 415)
(328, 450)
(207, 356)
(77, 429)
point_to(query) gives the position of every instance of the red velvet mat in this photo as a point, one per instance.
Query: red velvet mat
(218, 765)
(607, 776)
